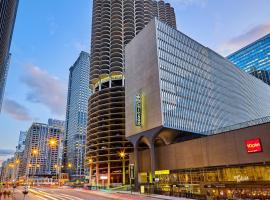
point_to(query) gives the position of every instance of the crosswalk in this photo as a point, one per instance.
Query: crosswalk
(53, 195)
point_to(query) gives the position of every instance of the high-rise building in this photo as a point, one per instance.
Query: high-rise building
(8, 10)
(42, 155)
(56, 122)
(114, 24)
(21, 143)
(177, 89)
(254, 58)
(76, 116)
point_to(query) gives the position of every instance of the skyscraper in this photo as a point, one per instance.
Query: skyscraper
(21, 143)
(8, 10)
(254, 58)
(114, 24)
(76, 116)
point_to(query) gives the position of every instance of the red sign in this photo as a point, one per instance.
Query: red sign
(254, 145)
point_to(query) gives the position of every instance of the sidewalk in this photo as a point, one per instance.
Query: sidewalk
(156, 196)
(125, 195)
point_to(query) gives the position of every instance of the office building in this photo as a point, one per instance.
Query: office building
(21, 142)
(178, 90)
(8, 12)
(114, 24)
(42, 155)
(254, 58)
(76, 116)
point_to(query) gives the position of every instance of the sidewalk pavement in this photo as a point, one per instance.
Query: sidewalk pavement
(125, 195)
(156, 196)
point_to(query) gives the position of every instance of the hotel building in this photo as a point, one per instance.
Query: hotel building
(114, 24)
(201, 121)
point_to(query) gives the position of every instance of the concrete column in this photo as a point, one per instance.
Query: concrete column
(109, 175)
(90, 174)
(136, 168)
(153, 161)
(97, 174)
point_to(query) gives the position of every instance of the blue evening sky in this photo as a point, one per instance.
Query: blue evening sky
(49, 35)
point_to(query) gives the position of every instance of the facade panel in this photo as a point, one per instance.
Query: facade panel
(201, 92)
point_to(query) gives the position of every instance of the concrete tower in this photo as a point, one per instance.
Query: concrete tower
(114, 24)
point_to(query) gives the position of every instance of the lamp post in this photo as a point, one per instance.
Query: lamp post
(122, 155)
(90, 170)
(53, 143)
(34, 153)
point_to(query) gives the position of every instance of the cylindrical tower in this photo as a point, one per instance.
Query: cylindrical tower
(114, 24)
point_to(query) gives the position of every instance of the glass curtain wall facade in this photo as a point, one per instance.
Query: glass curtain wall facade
(200, 90)
(8, 12)
(76, 116)
(115, 23)
(254, 58)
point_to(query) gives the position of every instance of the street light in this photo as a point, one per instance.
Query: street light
(90, 170)
(35, 153)
(122, 155)
(52, 142)
(69, 166)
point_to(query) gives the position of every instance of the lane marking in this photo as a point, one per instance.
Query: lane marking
(71, 197)
(44, 194)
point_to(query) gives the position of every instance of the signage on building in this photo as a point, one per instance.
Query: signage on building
(162, 172)
(138, 110)
(253, 145)
(103, 177)
(240, 178)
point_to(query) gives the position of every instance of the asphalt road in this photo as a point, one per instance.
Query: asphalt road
(54, 194)
(70, 194)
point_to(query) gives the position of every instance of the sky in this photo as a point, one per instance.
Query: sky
(49, 35)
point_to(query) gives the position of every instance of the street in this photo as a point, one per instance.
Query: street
(71, 194)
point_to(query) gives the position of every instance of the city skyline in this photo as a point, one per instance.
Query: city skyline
(34, 61)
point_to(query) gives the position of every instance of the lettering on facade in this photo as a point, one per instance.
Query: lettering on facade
(240, 178)
(253, 145)
(138, 110)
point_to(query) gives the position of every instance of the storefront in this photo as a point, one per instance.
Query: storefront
(247, 181)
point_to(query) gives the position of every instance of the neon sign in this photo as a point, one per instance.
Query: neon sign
(253, 145)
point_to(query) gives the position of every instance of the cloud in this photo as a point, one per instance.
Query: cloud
(244, 39)
(6, 152)
(45, 89)
(186, 3)
(16, 110)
